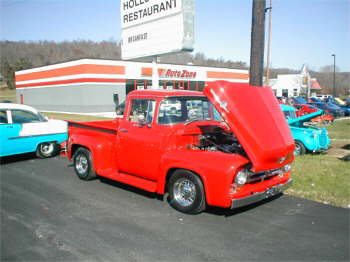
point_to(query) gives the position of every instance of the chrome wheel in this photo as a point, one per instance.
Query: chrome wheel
(184, 192)
(297, 150)
(82, 164)
(47, 148)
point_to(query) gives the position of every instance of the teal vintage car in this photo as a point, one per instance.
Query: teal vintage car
(23, 129)
(307, 138)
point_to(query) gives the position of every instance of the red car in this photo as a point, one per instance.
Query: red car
(304, 109)
(221, 148)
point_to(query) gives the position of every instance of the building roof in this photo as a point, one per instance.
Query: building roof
(315, 85)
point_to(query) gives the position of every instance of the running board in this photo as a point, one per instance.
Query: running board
(133, 180)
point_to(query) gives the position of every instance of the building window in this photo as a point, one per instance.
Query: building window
(285, 92)
(295, 92)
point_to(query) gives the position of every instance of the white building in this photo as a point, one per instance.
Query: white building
(288, 85)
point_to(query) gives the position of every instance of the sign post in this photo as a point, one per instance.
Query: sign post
(155, 76)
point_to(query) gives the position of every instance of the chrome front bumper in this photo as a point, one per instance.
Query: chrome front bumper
(270, 192)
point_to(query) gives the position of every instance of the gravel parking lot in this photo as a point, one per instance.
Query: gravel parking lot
(47, 213)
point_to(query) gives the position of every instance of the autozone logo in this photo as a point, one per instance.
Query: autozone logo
(178, 73)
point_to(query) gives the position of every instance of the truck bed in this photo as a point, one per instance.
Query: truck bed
(109, 126)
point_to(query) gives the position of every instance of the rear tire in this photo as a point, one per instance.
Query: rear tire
(83, 164)
(186, 192)
(47, 149)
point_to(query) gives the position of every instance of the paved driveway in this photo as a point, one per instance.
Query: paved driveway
(47, 213)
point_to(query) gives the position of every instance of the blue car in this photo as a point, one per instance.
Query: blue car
(329, 108)
(345, 108)
(307, 138)
(23, 129)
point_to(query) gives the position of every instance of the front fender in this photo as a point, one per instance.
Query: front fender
(216, 170)
(306, 138)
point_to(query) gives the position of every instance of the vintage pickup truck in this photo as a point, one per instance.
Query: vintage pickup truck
(222, 147)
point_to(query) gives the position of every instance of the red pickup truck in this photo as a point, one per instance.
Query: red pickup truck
(228, 146)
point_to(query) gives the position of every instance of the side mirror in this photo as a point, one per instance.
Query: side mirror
(141, 119)
(116, 99)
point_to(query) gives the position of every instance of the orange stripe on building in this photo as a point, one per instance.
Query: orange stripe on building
(146, 71)
(227, 75)
(73, 70)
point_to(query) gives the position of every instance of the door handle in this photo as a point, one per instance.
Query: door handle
(9, 127)
(123, 130)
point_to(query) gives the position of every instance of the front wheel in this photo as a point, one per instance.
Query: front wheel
(83, 164)
(299, 148)
(186, 192)
(47, 149)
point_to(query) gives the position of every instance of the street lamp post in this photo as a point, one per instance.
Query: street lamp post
(334, 94)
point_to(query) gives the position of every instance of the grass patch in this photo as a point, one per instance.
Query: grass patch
(324, 177)
(340, 129)
(8, 94)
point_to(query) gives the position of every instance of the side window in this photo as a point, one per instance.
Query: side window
(142, 110)
(3, 117)
(21, 116)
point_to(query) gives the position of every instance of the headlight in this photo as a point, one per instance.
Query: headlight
(241, 177)
(286, 168)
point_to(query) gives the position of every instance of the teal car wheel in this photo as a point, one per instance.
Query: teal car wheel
(47, 149)
(299, 148)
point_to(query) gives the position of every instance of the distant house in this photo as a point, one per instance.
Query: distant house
(288, 85)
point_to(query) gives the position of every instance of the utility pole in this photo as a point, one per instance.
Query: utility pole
(256, 70)
(268, 44)
(334, 93)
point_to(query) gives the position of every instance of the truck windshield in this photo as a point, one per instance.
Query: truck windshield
(186, 109)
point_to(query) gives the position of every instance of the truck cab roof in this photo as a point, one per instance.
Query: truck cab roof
(165, 93)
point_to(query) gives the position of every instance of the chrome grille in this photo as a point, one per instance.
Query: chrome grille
(323, 138)
(262, 176)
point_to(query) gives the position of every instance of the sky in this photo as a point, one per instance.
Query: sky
(303, 31)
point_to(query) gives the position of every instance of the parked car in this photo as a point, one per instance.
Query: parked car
(341, 104)
(339, 101)
(329, 108)
(304, 109)
(23, 129)
(314, 100)
(307, 138)
(299, 100)
(212, 151)
(347, 101)
(5, 101)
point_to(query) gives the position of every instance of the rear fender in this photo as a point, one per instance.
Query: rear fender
(101, 148)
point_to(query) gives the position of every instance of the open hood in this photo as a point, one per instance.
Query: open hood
(304, 118)
(298, 121)
(254, 116)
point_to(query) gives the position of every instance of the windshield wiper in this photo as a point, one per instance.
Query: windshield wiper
(195, 120)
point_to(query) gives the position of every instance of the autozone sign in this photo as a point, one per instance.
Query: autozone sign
(168, 73)
(156, 27)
